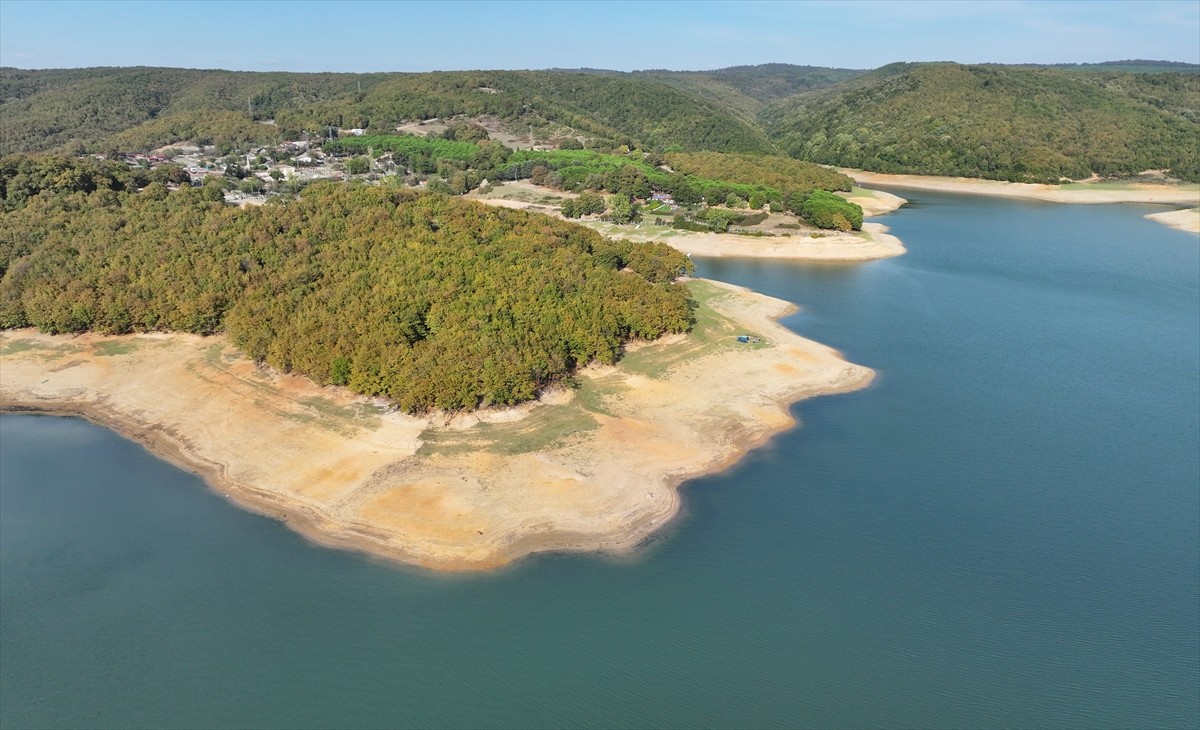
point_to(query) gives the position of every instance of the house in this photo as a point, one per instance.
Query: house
(664, 199)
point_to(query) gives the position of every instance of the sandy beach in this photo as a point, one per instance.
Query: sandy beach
(596, 468)
(1185, 220)
(873, 242)
(874, 202)
(1085, 192)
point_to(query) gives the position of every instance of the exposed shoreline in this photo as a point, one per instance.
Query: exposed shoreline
(1186, 196)
(873, 242)
(1187, 219)
(467, 493)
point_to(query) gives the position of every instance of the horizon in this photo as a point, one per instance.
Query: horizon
(589, 69)
(685, 36)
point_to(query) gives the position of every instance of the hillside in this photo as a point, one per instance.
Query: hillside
(999, 122)
(1028, 123)
(87, 109)
(746, 90)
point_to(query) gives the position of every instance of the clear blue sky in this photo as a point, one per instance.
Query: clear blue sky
(423, 36)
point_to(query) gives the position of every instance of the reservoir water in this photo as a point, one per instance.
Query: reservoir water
(1003, 531)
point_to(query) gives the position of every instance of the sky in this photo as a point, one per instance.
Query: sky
(424, 36)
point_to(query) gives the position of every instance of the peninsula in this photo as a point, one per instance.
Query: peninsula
(594, 467)
(413, 375)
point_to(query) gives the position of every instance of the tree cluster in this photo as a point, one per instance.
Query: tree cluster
(587, 203)
(826, 210)
(432, 302)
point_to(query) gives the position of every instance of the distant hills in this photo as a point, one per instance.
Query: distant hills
(1000, 122)
(1029, 123)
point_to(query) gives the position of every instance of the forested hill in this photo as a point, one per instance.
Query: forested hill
(747, 89)
(1028, 123)
(82, 110)
(431, 301)
(1000, 122)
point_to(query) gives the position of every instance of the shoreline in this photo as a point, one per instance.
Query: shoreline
(1094, 193)
(872, 243)
(1185, 197)
(436, 492)
(1187, 219)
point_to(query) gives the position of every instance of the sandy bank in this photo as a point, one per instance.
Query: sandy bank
(874, 202)
(1098, 192)
(873, 242)
(592, 469)
(1185, 220)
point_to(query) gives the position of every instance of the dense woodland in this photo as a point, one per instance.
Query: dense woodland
(1002, 122)
(90, 110)
(430, 301)
(1006, 123)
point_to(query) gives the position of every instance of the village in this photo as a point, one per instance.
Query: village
(249, 174)
(613, 196)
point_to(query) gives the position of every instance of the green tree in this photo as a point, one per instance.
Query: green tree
(620, 209)
(826, 210)
(339, 371)
(589, 203)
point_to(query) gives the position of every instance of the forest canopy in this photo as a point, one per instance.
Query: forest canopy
(427, 300)
(997, 122)
(1026, 123)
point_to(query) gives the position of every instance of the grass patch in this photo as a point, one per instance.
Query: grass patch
(345, 420)
(545, 426)
(110, 348)
(212, 356)
(1098, 186)
(45, 352)
(360, 414)
(15, 346)
(713, 333)
(592, 392)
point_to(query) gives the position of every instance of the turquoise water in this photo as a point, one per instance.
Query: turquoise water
(1003, 531)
